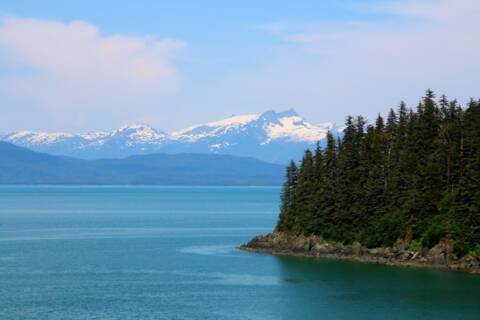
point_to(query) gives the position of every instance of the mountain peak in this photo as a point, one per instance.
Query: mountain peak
(134, 126)
(288, 113)
(139, 133)
(234, 120)
(270, 136)
(273, 115)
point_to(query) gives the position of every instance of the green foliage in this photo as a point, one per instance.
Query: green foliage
(437, 228)
(415, 245)
(446, 204)
(333, 242)
(418, 170)
(386, 230)
(476, 251)
(461, 247)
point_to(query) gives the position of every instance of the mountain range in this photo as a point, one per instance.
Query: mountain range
(271, 136)
(21, 166)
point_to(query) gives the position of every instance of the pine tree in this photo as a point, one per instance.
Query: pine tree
(319, 191)
(391, 159)
(429, 124)
(347, 183)
(305, 194)
(287, 217)
(329, 199)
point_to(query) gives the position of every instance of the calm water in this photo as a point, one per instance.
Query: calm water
(170, 253)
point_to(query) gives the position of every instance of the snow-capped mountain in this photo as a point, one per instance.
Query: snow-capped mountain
(128, 140)
(270, 136)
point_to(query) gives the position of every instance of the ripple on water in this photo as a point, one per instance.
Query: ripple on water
(210, 250)
(234, 279)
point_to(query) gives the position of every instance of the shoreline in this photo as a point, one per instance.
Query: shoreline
(441, 256)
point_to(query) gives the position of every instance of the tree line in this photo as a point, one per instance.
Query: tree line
(415, 176)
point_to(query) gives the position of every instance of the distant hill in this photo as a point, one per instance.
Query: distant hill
(21, 166)
(271, 136)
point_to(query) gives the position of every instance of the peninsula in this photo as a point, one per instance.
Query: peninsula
(405, 191)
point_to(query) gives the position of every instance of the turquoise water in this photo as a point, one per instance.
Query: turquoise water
(170, 253)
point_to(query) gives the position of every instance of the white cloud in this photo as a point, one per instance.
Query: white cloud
(70, 75)
(329, 70)
(73, 73)
(440, 10)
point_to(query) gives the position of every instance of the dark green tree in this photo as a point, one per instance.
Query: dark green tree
(287, 218)
(305, 195)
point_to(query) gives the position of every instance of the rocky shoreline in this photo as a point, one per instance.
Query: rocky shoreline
(440, 256)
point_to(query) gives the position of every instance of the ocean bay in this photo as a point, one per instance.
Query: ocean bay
(171, 253)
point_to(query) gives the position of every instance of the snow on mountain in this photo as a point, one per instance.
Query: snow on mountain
(212, 129)
(270, 136)
(282, 125)
(290, 125)
(34, 138)
(139, 134)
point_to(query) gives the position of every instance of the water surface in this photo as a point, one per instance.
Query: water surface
(170, 253)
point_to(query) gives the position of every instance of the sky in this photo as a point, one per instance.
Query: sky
(87, 65)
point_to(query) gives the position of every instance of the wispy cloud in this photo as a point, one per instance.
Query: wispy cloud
(77, 74)
(366, 66)
(440, 10)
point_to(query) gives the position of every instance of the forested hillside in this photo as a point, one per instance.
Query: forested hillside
(414, 176)
(20, 166)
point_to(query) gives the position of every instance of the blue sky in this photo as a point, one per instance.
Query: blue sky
(89, 65)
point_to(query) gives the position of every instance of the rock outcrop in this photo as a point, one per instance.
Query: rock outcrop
(440, 256)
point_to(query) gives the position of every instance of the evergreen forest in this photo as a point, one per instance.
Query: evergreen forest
(414, 175)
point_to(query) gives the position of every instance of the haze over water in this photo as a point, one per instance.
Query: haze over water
(170, 253)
